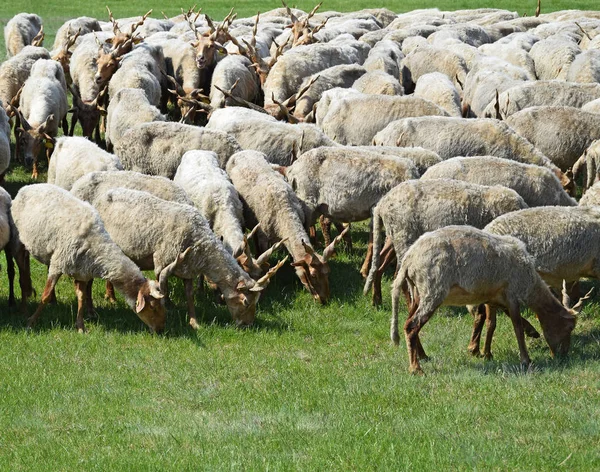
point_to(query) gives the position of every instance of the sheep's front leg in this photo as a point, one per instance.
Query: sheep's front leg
(89, 300)
(515, 317)
(490, 324)
(478, 313)
(188, 284)
(81, 292)
(10, 270)
(65, 126)
(46, 296)
(110, 292)
(326, 229)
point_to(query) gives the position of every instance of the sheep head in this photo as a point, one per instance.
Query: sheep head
(150, 306)
(208, 44)
(64, 54)
(32, 139)
(123, 42)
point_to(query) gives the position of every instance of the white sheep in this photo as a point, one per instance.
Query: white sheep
(15, 71)
(22, 30)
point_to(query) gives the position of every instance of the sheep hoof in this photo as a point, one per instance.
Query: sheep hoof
(416, 371)
(194, 324)
(488, 356)
(474, 351)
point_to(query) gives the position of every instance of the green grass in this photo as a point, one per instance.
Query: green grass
(309, 387)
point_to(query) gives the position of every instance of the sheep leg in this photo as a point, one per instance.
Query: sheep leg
(364, 270)
(478, 319)
(312, 235)
(515, 317)
(411, 333)
(22, 259)
(326, 229)
(65, 125)
(73, 123)
(34, 173)
(10, 270)
(46, 296)
(189, 295)
(110, 292)
(389, 255)
(490, 324)
(81, 292)
(89, 300)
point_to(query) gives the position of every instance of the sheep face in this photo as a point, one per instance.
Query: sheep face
(242, 305)
(206, 51)
(558, 332)
(89, 116)
(313, 272)
(32, 140)
(150, 306)
(107, 63)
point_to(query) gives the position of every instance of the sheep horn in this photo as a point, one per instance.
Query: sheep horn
(262, 283)
(330, 250)
(167, 271)
(264, 257)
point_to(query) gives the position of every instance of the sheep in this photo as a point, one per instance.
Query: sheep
(227, 72)
(553, 57)
(214, 195)
(425, 60)
(4, 143)
(300, 62)
(281, 142)
(585, 68)
(129, 107)
(537, 185)
(561, 133)
(422, 158)
(221, 117)
(543, 93)
(13, 249)
(345, 119)
(169, 229)
(450, 137)
(84, 24)
(439, 89)
(156, 148)
(85, 89)
(23, 30)
(385, 56)
(270, 201)
(378, 82)
(139, 69)
(337, 76)
(43, 106)
(470, 34)
(69, 237)
(329, 98)
(458, 265)
(415, 207)
(74, 157)
(15, 71)
(512, 54)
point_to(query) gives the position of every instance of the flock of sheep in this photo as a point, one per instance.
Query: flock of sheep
(460, 133)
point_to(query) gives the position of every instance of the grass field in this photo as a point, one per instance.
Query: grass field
(307, 388)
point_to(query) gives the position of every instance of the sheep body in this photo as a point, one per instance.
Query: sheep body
(20, 31)
(15, 71)
(378, 82)
(439, 89)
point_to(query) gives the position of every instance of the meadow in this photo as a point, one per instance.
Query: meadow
(307, 388)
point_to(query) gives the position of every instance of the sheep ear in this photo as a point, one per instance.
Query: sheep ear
(241, 285)
(140, 302)
(109, 40)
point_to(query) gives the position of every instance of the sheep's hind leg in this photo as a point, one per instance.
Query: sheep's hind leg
(46, 296)
(490, 324)
(81, 292)
(413, 343)
(110, 292)
(515, 317)
(189, 295)
(478, 319)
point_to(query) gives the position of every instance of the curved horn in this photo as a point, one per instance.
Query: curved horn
(264, 257)
(253, 231)
(167, 271)
(262, 283)
(330, 250)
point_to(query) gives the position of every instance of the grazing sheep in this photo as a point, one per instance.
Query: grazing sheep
(43, 106)
(337, 76)
(22, 30)
(378, 82)
(129, 107)
(139, 69)
(294, 66)
(553, 57)
(214, 195)
(168, 230)
(415, 207)
(561, 133)
(585, 68)
(543, 93)
(450, 137)
(345, 120)
(439, 89)
(15, 71)
(84, 24)
(281, 142)
(156, 148)
(460, 265)
(74, 157)
(425, 60)
(68, 236)
(385, 56)
(512, 54)
(269, 200)
(537, 185)
(221, 117)
(227, 72)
